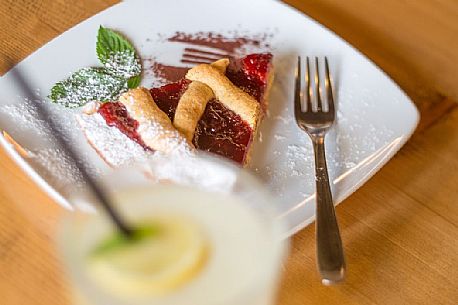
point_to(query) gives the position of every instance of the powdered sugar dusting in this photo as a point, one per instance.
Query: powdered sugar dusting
(168, 140)
(284, 120)
(61, 172)
(123, 64)
(115, 147)
(85, 85)
(25, 117)
(279, 137)
(50, 161)
(192, 170)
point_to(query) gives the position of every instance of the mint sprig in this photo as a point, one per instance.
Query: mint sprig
(85, 85)
(121, 70)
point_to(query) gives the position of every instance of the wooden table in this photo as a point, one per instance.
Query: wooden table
(400, 229)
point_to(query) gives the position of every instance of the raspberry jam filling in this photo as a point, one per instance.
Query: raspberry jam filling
(256, 66)
(250, 74)
(168, 96)
(115, 114)
(221, 130)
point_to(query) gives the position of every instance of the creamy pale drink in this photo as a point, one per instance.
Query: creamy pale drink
(189, 246)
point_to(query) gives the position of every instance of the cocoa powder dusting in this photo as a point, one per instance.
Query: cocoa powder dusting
(214, 40)
(168, 73)
(221, 47)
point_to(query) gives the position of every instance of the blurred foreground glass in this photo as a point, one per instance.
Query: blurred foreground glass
(237, 230)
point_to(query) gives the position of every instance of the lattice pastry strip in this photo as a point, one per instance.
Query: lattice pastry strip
(226, 92)
(190, 108)
(155, 127)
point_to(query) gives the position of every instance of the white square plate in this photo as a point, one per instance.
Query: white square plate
(375, 118)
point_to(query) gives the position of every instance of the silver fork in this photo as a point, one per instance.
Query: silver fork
(330, 256)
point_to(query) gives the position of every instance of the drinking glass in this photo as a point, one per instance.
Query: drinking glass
(233, 210)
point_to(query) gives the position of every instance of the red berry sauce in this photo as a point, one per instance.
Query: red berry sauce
(223, 132)
(115, 114)
(168, 96)
(250, 74)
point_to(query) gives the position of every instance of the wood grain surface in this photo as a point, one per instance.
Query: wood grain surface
(399, 230)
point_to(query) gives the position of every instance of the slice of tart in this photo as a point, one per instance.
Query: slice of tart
(229, 122)
(217, 108)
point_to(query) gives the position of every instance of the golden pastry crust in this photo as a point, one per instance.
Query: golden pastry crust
(155, 127)
(265, 100)
(227, 93)
(190, 108)
(221, 65)
(270, 81)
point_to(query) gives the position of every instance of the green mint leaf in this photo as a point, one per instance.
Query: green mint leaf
(85, 85)
(117, 54)
(108, 41)
(134, 82)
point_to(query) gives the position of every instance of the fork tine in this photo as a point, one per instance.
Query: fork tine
(297, 90)
(319, 103)
(309, 92)
(328, 86)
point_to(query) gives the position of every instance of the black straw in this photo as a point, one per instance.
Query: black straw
(99, 193)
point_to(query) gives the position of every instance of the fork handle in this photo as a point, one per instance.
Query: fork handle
(330, 256)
